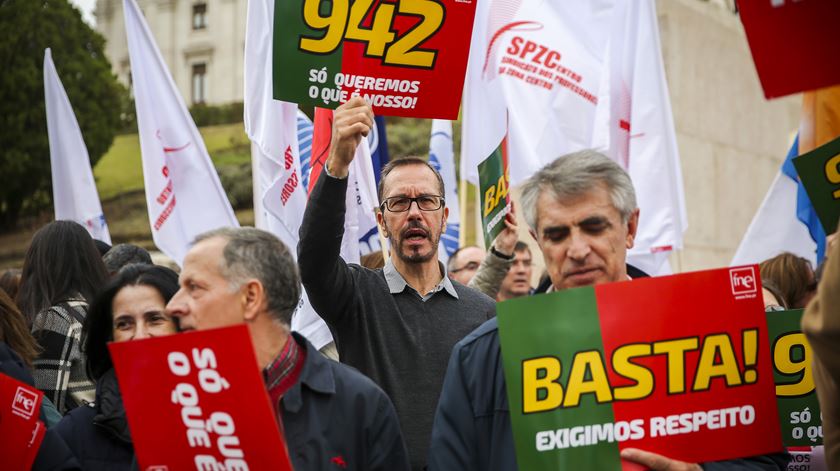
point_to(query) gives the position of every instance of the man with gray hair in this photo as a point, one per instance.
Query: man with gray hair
(331, 414)
(582, 211)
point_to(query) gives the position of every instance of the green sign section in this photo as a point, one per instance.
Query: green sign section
(294, 69)
(493, 185)
(571, 325)
(799, 410)
(819, 171)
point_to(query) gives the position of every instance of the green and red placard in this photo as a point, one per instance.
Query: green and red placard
(493, 187)
(819, 171)
(676, 365)
(799, 409)
(406, 57)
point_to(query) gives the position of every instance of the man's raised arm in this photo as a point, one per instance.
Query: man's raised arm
(327, 278)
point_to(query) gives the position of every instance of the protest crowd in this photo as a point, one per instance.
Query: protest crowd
(419, 384)
(407, 356)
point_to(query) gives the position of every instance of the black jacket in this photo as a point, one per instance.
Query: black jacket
(472, 429)
(336, 418)
(332, 416)
(53, 454)
(97, 433)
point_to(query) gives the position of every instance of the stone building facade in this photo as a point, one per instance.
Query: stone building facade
(202, 42)
(732, 141)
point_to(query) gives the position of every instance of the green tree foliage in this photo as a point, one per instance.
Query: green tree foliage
(28, 27)
(410, 136)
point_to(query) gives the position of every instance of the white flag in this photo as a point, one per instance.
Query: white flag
(183, 192)
(272, 127)
(776, 226)
(641, 129)
(540, 63)
(576, 75)
(484, 126)
(369, 240)
(442, 158)
(74, 191)
(361, 202)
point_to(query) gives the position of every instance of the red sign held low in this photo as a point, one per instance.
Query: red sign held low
(22, 432)
(198, 401)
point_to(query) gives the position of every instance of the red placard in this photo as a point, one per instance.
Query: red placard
(197, 401)
(794, 43)
(20, 429)
(712, 364)
(439, 86)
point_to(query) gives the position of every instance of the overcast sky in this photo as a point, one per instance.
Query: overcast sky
(86, 6)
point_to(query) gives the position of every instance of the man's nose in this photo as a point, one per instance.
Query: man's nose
(175, 307)
(579, 247)
(414, 210)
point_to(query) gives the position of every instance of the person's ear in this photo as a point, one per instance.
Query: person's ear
(253, 299)
(445, 218)
(632, 228)
(380, 219)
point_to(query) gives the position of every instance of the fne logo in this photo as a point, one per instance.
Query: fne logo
(24, 403)
(743, 281)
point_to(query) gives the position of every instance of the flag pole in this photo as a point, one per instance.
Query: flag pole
(383, 242)
(462, 197)
(259, 216)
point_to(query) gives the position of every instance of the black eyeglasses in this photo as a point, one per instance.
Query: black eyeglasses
(472, 266)
(401, 204)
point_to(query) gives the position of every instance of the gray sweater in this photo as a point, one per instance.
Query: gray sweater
(385, 330)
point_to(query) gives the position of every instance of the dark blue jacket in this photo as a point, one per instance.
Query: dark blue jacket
(472, 430)
(336, 418)
(97, 433)
(53, 454)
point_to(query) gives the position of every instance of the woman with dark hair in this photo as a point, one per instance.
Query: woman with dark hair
(773, 299)
(14, 333)
(15, 337)
(17, 351)
(131, 307)
(10, 282)
(62, 271)
(793, 276)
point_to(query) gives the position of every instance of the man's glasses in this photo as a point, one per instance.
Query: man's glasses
(401, 204)
(472, 266)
